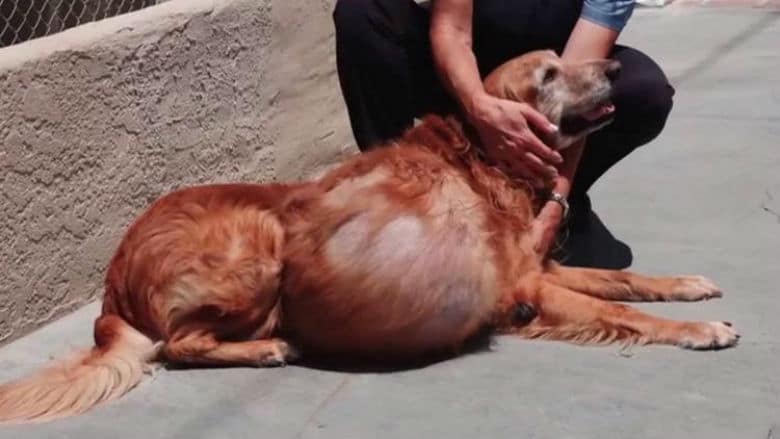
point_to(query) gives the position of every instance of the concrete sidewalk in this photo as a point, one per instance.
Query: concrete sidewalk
(703, 198)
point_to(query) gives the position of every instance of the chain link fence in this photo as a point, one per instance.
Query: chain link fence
(22, 20)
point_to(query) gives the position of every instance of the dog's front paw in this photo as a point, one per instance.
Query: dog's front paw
(279, 354)
(694, 288)
(709, 335)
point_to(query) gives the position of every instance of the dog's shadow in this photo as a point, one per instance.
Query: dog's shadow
(479, 344)
(595, 248)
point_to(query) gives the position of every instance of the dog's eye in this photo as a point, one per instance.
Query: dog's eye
(549, 75)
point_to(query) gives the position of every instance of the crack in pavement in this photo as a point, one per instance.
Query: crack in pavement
(321, 406)
(768, 197)
(718, 53)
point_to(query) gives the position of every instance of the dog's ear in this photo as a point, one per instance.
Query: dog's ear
(514, 80)
(518, 79)
(498, 82)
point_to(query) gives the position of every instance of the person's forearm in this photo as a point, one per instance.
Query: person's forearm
(451, 41)
(587, 41)
(567, 170)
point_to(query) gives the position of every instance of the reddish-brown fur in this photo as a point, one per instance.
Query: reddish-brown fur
(406, 250)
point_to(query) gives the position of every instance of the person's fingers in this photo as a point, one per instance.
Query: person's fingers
(537, 119)
(521, 170)
(561, 184)
(538, 148)
(541, 169)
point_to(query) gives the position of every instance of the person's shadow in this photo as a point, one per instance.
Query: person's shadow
(596, 248)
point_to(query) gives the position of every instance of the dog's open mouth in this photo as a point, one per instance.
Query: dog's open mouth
(576, 122)
(600, 112)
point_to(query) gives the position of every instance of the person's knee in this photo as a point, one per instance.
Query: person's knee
(659, 103)
(657, 111)
(351, 15)
(649, 105)
(643, 97)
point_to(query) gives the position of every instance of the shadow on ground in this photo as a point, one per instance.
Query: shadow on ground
(480, 344)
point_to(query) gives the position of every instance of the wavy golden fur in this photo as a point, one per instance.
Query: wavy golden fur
(410, 249)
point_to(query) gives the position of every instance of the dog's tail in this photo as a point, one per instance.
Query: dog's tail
(71, 387)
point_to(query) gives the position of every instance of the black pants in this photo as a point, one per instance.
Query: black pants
(387, 74)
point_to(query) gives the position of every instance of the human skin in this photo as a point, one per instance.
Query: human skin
(509, 124)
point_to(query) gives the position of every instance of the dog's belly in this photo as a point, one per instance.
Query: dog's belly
(397, 281)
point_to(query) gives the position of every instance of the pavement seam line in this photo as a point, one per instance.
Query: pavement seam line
(322, 405)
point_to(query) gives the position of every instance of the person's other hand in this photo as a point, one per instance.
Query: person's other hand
(504, 127)
(546, 224)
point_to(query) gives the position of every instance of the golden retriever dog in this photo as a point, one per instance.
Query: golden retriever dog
(410, 249)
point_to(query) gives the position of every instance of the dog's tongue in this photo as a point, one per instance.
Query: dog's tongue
(599, 112)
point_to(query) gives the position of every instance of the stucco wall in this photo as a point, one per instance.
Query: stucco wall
(101, 119)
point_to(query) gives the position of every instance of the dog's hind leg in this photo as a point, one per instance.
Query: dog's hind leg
(225, 308)
(204, 349)
(631, 287)
(563, 314)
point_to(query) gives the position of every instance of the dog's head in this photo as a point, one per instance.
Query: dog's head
(574, 96)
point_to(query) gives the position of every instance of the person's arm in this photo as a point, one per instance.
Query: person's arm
(501, 124)
(588, 40)
(451, 44)
(593, 37)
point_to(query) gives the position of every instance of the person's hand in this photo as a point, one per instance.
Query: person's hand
(545, 226)
(503, 127)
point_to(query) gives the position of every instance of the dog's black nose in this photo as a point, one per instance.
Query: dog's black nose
(612, 70)
(523, 314)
